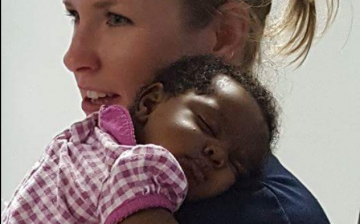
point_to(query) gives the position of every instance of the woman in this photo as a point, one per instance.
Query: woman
(118, 45)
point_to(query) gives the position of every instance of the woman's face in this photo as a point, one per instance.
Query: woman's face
(118, 45)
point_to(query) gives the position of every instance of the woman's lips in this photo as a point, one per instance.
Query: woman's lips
(91, 105)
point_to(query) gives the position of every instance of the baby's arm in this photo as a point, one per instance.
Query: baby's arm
(145, 183)
(151, 216)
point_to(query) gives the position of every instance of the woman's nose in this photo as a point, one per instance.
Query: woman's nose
(82, 55)
(217, 156)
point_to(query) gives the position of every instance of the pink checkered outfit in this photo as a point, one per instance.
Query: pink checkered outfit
(95, 173)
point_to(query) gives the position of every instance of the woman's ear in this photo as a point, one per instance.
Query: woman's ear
(232, 30)
(149, 98)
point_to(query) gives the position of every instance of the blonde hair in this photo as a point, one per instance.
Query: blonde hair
(299, 19)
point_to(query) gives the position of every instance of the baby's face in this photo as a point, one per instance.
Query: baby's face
(210, 135)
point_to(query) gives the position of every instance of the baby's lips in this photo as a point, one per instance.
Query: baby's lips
(196, 168)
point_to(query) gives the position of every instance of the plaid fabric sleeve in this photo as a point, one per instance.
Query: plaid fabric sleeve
(147, 176)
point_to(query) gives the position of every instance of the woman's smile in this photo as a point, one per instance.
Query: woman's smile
(92, 100)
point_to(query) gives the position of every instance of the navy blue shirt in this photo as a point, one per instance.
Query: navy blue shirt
(280, 198)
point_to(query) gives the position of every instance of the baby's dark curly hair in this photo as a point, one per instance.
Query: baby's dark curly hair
(197, 72)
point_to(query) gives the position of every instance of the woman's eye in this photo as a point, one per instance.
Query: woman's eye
(73, 15)
(117, 20)
(204, 126)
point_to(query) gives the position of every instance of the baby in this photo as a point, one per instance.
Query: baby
(194, 131)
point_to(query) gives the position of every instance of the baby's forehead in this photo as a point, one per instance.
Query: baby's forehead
(225, 87)
(236, 104)
(222, 81)
(243, 122)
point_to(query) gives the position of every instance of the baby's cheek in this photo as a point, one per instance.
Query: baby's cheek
(217, 184)
(224, 181)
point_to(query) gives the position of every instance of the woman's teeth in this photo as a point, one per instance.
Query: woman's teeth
(96, 95)
(99, 98)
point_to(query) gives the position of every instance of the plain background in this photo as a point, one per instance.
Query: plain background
(320, 101)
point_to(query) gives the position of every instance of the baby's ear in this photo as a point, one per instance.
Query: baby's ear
(149, 98)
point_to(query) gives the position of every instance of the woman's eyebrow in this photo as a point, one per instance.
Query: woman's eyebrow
(100, 4)
(105, 4)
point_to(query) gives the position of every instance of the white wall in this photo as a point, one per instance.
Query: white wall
(321, 102)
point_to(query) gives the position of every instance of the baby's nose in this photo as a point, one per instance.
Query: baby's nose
(217, 155)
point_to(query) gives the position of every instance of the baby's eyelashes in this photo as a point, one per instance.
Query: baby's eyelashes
(205, 126)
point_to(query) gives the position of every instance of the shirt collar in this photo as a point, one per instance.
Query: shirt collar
(80, 131)
(116, 121)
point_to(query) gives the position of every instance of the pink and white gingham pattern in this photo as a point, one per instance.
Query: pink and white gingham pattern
(86, 176)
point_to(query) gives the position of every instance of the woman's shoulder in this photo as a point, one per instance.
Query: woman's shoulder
(279, 198)
(297, 202)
